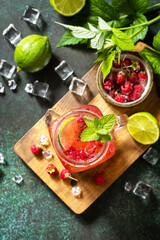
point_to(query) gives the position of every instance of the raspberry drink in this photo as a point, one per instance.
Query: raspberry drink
(75, 155)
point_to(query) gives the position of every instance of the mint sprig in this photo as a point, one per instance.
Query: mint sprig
(99, 129)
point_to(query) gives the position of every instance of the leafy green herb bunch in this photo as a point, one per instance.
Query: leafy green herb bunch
(113, 28)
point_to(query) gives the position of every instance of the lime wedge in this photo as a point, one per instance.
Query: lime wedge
(69, 132)
(67, 8)
(143, 127)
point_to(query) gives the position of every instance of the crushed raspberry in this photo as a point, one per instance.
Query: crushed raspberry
(112, 93)
(138, 87)
(117, 64)
(128, 98)
(132, 77)
(126, 62)
(126, 87)
(36, 149)
(119, 98)
(107, 85)
(135, 95)
(120, 77)
(142, 76)
(99, 179)
(81, 122)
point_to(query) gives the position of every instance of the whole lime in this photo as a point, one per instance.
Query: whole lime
(33, 53)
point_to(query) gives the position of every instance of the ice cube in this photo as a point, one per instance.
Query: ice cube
(76, 191)
(12, 84)
(32, 15)
(12, 35)
(142, 189)
(7, 70)
(44, 140)
(40, 89)
(128, 186)
(47, 154)
(1, 88)
(2, 158)
(77, 86)
(17, 179)
(151, 156)
(64, 70)
(29, 88)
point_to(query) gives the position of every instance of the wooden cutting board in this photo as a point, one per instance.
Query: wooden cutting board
(127, 150)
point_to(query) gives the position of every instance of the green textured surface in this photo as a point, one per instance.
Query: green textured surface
(32, 211)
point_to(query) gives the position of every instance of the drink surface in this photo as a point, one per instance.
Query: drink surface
(69, 139)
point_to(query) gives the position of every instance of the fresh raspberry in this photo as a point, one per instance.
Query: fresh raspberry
(137, 66)
(107, 85)
(126, 62)
(119, 98)
(142, 76)
(126, 87)
(117, 64)
(120, 77)
(99, 179)
(128, 98)
(65, 174)
(132, 77)
(138, 87)
(112, 93)
(111, 77)
(36, 149)
(135, 95)
(51, 169)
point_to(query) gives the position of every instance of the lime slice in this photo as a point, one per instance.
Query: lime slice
(67, 8)
(143, 127)
(69, 132)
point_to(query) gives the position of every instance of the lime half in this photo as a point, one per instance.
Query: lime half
(67, 8)
(143, 127)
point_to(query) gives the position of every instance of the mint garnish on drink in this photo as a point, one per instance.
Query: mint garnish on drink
(98, 129)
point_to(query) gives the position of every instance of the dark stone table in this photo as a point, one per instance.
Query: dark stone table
(32, 211)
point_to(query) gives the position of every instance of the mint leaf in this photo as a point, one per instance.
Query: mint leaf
(139, 5)
(130, 6)
(122, 40)
(156, 41)
(108, 121)
(102, 131)
(105, 138)
(69, 39)
(107, 64)
(89, 134)
(122, 6)
(103, 25)
(98, 41)
(153, 58)
(89, 122)
(102, 9)
(91, 27)
(96, 122)
(139, 18)
(78, 32)
(102, 56)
